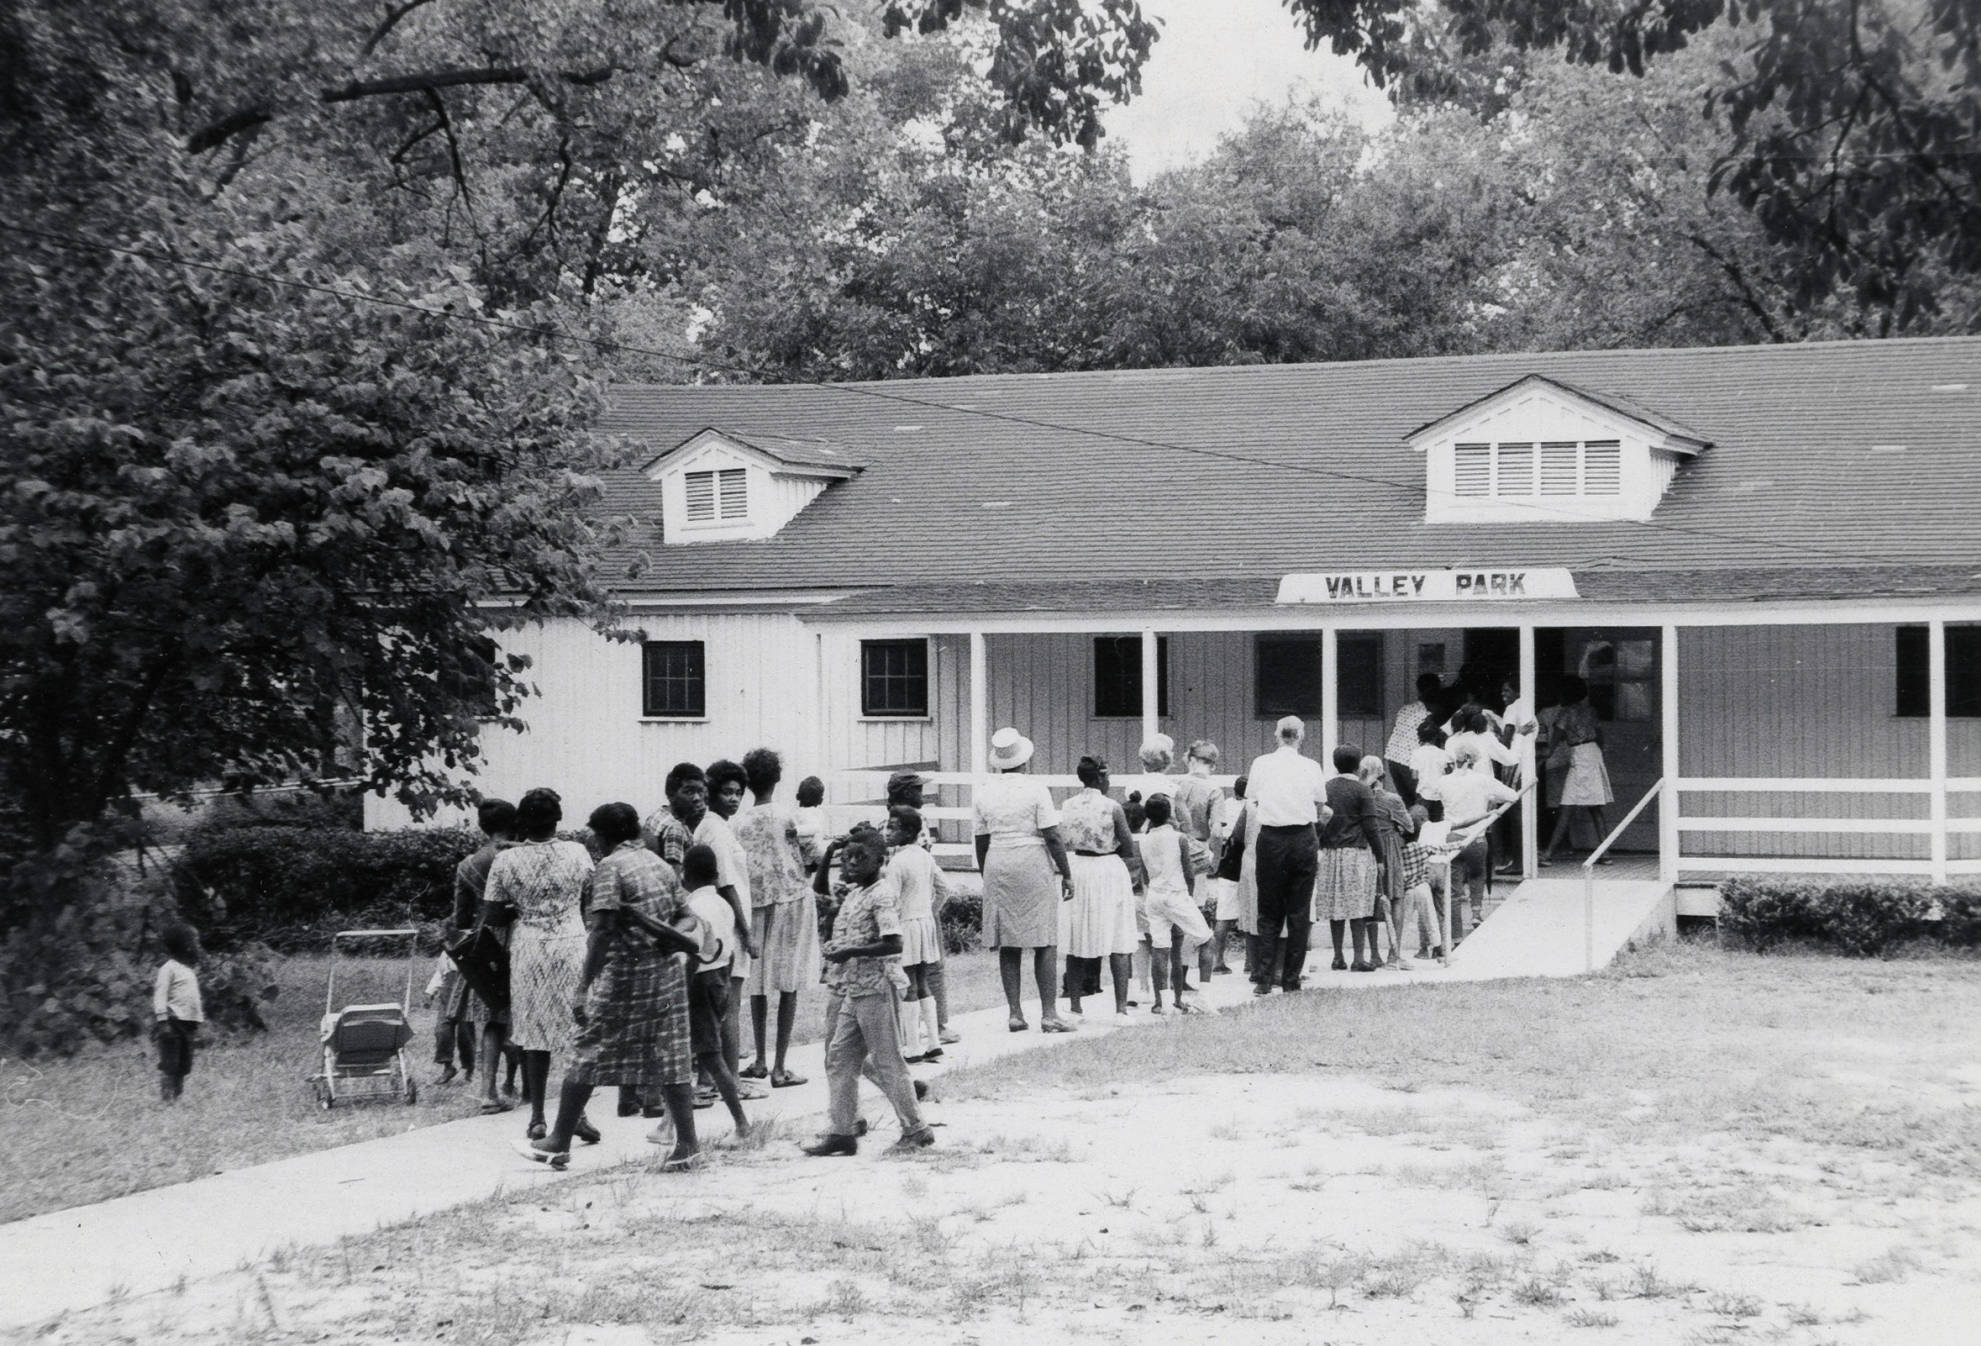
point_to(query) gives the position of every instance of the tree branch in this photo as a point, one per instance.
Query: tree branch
(387, 24)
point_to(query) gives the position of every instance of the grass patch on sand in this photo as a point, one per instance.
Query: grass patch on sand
(91, 1127)
(1680, 1039)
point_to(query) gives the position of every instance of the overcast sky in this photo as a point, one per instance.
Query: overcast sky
(1216, 58)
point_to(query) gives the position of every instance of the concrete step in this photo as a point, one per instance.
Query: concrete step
(1538, 931)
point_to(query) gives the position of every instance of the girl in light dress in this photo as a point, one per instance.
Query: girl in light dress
(1098, 924)
(923, 891)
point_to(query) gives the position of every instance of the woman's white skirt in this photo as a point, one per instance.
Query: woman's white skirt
(1100, 920)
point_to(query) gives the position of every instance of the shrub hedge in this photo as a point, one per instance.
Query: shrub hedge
(1860, 918)
(291, 887)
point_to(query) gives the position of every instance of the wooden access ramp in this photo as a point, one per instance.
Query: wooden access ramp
(1539, 930)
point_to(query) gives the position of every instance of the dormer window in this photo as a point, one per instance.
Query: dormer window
(718, 497)
(717, 486)
(1526, 470)
(1540, 451)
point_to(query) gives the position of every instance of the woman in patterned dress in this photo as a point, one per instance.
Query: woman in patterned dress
(1018, 852)
(1099, 923)
(542, 880)
(631, 1006)
(783, 910)
(1393, 824)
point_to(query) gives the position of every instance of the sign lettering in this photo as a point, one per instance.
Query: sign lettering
(1428, 586)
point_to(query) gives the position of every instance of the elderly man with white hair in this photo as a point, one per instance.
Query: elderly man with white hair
(1289, 793)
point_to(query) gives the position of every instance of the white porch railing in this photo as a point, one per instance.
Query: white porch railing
(1595, 858)
(1679, 861)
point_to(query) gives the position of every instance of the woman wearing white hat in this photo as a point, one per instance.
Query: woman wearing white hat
(1026, 876)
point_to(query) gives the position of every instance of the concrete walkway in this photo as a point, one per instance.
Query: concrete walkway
(73, 1259)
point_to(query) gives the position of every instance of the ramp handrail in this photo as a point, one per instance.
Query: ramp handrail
(1455, 841)
(1589, 874)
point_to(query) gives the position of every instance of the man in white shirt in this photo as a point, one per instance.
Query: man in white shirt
(1289, 793)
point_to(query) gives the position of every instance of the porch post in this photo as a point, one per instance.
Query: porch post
(1530, 811)
(1330, 699)
(1936, 741)
(1151, 684)
(1668, 834)
(979, 729)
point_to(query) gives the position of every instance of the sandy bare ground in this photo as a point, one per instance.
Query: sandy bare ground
(1261, 1208)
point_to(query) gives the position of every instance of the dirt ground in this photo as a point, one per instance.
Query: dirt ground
(1263, 1208)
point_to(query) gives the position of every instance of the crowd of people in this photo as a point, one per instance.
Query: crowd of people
(635, 969)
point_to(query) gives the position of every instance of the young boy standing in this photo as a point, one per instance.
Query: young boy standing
(1176, 924)
(709, 988)
(176, 1010)
(862, 962)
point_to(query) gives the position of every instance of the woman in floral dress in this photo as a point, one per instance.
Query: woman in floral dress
(631, 1003)
(542, 881)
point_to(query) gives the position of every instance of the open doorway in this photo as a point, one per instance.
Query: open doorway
(1621, 666)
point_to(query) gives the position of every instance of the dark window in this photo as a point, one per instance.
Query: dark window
(894, 677)
(675, 685)
(1287, 676)
(1359, 673)
(1118, 677)
(1963, 671)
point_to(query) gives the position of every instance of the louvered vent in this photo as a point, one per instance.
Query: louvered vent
(1516, 470)
(1602, 467)
(1472, 467)
(1558, 467)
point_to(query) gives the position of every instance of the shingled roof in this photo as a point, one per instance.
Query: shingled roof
(1835, 463)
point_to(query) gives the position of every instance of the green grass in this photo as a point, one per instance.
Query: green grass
(91, 1127)
(1677, 1040)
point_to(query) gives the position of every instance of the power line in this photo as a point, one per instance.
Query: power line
(877, 392)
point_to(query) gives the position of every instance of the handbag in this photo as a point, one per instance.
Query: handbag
(1231, 864)
(484, 963)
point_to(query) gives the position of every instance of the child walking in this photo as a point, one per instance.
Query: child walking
(921, 886)
(862, 999)
(176, 1010)
(709, 989)
(1176, 924)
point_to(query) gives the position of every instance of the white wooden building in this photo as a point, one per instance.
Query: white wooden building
(1765, 558)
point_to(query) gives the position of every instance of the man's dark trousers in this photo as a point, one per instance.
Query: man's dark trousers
(1289, 858)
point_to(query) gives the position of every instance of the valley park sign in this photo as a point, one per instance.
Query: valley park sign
(1427, 586)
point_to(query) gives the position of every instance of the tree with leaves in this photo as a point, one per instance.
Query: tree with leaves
(1856, 124)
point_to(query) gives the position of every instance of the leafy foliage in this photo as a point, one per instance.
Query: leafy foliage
(1854, 125)
(1862, 919)
(78, 965)
(291, 886)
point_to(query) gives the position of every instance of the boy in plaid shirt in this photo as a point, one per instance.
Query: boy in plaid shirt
(862, 971)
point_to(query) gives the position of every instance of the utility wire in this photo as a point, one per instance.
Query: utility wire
(878, 392)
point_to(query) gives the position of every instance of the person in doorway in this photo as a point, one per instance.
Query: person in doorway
(1585, 789)
(1098, 925)
(176, 1010)
(1345, 880)
(862, 961)
(1026, 876)
(785, 915)
(1288, 794)
(541, 883)
(631, 998)
(1403, 740)
(905, 790)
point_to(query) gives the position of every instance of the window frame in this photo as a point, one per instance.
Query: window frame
(694, 682)
(869, 710)
(1126, 679)
(1307, 641)
(1912, 687)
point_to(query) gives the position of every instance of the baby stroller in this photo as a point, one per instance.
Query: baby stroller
(364, 1046)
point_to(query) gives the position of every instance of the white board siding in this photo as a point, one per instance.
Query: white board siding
(587, 738)
(1044, 684)
(1806, 701)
